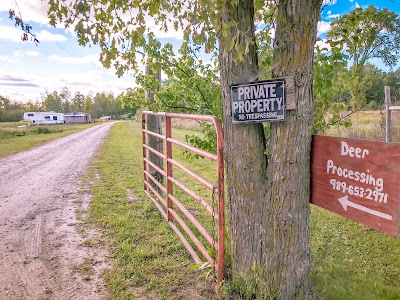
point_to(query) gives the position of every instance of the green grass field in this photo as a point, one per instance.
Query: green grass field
(150, 261)
(350, 261)
(14, 139)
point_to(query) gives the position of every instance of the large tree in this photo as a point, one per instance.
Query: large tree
(268, 195)
(52, 101)
(77, 101)
(269, 213)
(366, 34)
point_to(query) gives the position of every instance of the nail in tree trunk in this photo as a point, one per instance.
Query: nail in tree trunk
(268, 194)
(154, 123)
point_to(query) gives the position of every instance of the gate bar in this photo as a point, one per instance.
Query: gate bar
(218, 189)
(193, 149)
(194, 196)
(192, 219)
(200, 179)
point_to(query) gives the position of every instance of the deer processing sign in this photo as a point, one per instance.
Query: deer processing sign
(262, 101)
(357, 179)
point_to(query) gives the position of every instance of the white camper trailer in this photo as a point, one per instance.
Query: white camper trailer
(44, 117)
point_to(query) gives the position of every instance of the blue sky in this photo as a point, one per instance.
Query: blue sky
(26, 70)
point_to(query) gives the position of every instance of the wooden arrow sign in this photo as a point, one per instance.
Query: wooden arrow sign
(357, 179)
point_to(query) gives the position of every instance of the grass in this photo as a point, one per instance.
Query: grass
(14, 139)
(368, 125)
(150, 261)
(350, 261)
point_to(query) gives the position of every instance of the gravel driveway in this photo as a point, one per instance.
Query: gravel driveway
(43, 254)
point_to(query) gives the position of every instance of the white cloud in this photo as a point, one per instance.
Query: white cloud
(328, 2)
(36, 11)
(357, 5)
(32, 53)
(31, 10)
(88, 59)
(322, 44)
(26, 53)
(271, 32)
(171, 31)
(10, 33)
(333, 16)
(323, 27)
(154, 28)
(6, 58)
(44, 35)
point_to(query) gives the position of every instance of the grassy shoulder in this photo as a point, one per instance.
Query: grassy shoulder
(150, 261)
(15, 139)
(350, 261)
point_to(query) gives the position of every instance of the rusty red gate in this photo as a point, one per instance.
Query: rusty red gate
(166, 203)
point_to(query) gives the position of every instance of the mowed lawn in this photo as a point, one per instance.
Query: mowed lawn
(15, 138)
(350, 261)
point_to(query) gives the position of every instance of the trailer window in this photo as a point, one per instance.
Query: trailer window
(55, 118)
(47, 117)
(30, 115)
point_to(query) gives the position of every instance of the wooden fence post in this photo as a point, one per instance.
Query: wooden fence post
(388, 103)
(154, 124)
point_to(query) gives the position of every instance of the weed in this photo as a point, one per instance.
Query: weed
(42, 130)
(87, 243)
(19, 133)
(85, 267)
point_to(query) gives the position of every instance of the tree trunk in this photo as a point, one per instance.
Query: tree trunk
(287, 244)
(269, 202)
(244, 144)
(154, 123)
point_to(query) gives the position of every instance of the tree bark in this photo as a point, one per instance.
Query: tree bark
(269, 202)
(244, 144)
(287, 245)
(154, 123)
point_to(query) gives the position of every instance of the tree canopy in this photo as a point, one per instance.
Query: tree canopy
(269, 213)
(368, 33)
(365, 34)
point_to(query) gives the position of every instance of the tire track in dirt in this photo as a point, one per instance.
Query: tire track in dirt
(32, 239)
(41, 248)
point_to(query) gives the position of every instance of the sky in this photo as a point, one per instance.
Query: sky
(27, 69)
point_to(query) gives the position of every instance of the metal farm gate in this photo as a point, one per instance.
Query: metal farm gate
(161, 191)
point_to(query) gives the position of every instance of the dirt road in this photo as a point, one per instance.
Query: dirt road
(43, 252)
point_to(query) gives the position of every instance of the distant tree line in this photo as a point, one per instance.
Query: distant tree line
(97, 105)
(375, 94)
(374, 80)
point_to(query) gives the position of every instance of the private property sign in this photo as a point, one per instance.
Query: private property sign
(357, 179)
(262, 101)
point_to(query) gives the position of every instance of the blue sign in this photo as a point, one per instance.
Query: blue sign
(261, 101)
